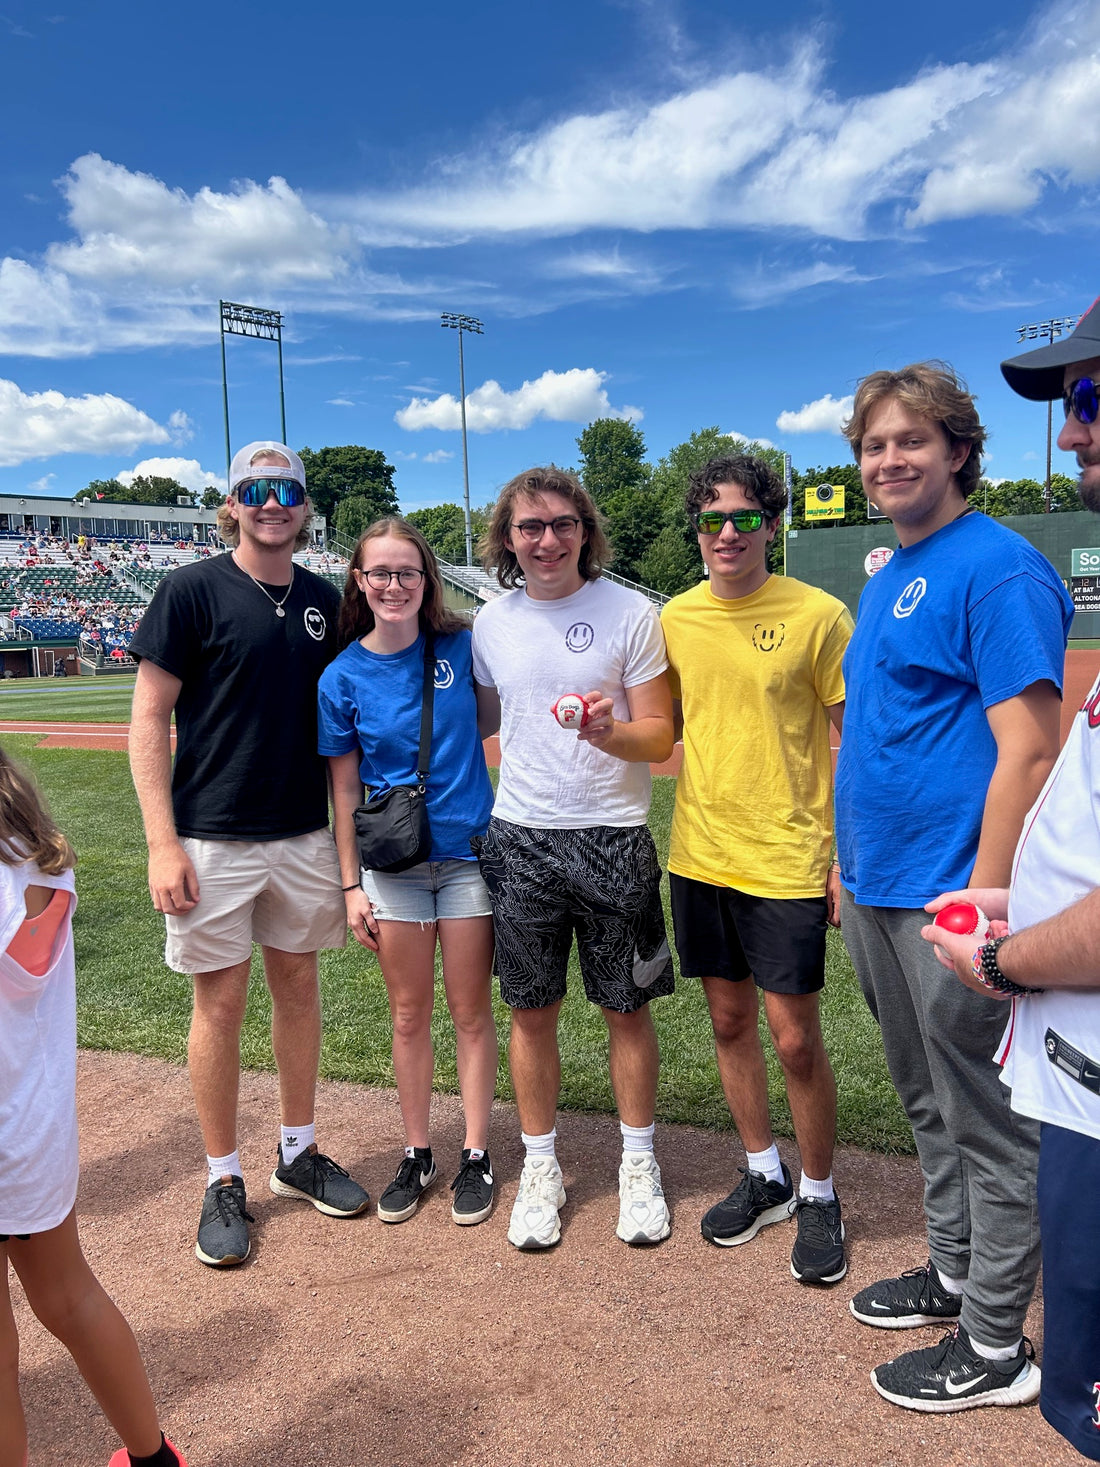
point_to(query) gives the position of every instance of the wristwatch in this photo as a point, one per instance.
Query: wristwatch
(987, 971)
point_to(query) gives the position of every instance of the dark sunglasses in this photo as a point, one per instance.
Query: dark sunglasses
(711, 521)
(256, 492)
(1080, 399)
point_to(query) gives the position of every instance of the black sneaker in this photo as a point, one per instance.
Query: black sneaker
(818, 1254)
(916, 1298)
(223, 1225)
(474, 1189)
(415, 1175)
(951, 1376)
(752, 1205)
(316, 1178)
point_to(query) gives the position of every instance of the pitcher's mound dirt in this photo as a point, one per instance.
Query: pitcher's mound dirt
(425, 1344)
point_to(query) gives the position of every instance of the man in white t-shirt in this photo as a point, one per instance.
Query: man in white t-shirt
(568, 850)
(1050, 965)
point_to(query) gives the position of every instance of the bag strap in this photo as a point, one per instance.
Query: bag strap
(427, 702)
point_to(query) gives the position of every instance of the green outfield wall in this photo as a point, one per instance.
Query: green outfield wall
(839, 559)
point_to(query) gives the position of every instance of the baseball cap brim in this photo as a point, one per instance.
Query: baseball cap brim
(1039, 375)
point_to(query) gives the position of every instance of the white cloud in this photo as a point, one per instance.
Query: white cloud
(824, 415)
(440, 456)
(41, 424)
(745, 438)
(186, 471)
(180, 426)
(339, 402)
(776, 147)
(41, 486)
(765, 285)
(132, 226)
(575, 396)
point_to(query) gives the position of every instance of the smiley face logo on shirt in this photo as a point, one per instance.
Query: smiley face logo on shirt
(315, 623)
(767, 639)
(579, 637)
(444, 673)
(909, 599)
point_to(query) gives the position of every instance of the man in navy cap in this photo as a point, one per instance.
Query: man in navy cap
(239, 845)
(1050, 964)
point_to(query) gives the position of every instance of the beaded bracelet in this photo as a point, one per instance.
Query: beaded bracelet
(987, 972)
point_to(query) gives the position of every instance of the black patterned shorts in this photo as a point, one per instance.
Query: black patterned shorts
(602, 883)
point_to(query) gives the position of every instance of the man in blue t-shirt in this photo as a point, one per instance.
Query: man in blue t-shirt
(953, 681)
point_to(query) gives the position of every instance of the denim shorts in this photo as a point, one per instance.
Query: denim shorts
(428, 892)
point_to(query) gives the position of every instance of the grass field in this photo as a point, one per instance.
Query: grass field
(129, 1000)
(68, 700)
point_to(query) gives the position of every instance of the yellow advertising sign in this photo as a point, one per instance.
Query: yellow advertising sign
(826, 502)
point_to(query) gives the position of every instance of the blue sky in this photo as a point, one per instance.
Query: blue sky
(689, 214)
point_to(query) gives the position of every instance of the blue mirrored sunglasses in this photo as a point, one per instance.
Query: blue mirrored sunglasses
(1080, 399)
(256, 492)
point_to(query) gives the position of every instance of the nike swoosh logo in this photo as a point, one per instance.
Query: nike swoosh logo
(876, 1305)
(956, 1388)
(489, 1178)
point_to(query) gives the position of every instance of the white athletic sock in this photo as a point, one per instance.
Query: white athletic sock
(816, 1191)
(536, 1146)
(996, 1352)
(637, 1139)
(222, 1166)
(295, 1139)
(766, 1162)
(953, 1286)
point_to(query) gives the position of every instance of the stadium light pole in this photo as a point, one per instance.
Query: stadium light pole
(254, 321)
(1047, 331)
(456, 321)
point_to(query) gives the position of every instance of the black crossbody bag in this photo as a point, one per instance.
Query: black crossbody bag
(392, 830)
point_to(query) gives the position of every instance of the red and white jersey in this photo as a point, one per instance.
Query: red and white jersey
(1057, 863)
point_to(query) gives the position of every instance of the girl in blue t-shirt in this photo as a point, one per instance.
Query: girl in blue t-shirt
(369, 703)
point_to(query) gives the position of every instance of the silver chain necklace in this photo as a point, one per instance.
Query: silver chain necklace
(278, 605)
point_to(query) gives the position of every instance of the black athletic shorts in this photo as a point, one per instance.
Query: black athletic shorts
(725, 933)
(602, 883)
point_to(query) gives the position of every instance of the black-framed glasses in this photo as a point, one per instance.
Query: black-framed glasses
(712, 521)
(256, 492)
(1081, 399)
(407, 578)
(564, 526)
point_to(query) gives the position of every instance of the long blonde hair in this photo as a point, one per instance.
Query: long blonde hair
(27, 830)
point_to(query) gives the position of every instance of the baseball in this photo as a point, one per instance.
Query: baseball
(963, 918)
(570, 710)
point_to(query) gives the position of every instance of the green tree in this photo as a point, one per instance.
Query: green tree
(444, 528)
(212, 497)
(353, 515)
(1025, 496)
(145, 489)
(670, 565)
(333, 474)
(612, 459)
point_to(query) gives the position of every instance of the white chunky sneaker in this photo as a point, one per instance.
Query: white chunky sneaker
(535, 1221)
(643, 1212)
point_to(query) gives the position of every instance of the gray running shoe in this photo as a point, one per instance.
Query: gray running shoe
(316, 1178)
(223, 1225)
(913, 1299)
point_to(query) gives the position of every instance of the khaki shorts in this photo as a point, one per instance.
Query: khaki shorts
(283, 894)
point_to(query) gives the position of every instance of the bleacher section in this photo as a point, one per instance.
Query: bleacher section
(53, 591)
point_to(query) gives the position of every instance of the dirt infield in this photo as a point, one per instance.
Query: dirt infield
(1081, 669)
(427, 1344)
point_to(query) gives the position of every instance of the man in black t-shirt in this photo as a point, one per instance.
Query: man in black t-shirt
(237, 828)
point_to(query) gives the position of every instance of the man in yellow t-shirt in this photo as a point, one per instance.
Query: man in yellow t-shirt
(755, 661)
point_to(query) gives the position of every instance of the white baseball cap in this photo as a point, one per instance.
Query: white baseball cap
(241, 469)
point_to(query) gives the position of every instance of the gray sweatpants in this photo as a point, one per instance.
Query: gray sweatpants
(977, 1156)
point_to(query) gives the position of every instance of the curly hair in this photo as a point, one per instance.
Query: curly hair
(27, 830)
(493, 549)
(933, 390)
(755, 476)
(356, 618)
